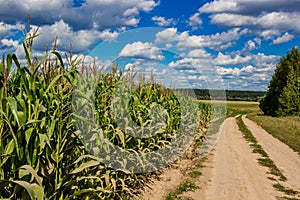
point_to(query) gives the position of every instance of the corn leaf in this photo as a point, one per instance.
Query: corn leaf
(83, 166)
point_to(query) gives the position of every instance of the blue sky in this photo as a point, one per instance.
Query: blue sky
(236, 43)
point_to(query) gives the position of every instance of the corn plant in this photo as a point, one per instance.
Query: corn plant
(42, 153)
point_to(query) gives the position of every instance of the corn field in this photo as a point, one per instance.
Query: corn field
(43, 153)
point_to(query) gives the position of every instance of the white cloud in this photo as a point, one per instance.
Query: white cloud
(161, 21)
(257, 40)
(129, 66)
(251, 7)
(130, 12)
(222, 59)
(250, 45)
(232, 20)
(269, 34)
(10, 43)
(198, 53)
(261, 60)
(82, 40)
(247, 69)
(92, 14)
(198, 64)
(192, 77)
(281, 21)
(219, 6)
(262, 15)
(284, 38)
(195, 21)
(7, 30)
(218, 41)
(228, 71)
(252, 71)
(140, 50)
(210, 41)
(166, 36)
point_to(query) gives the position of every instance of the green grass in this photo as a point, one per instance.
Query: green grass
(199, 165)
(184, 187)
(195, 174)
(286, 190)
(286, 129)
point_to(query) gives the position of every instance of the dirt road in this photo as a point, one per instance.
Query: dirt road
(232, 170)
(236, 173)
(283, 156)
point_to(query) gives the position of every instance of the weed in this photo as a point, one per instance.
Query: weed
(195, 174)
(284, 189)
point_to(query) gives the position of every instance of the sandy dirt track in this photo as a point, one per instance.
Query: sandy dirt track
(282, 155)
(236, 173)
(232, 171)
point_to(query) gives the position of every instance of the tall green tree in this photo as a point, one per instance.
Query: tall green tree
(270, 103)
(289, 100)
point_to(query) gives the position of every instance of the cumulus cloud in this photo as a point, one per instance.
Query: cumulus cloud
(251, 71)
(275, 20)
(219, 6)
(250, 45)
(222, 59)
(198, 53)
(184, 40)
(232, 20)
(195, 21)
(250, 7)
(188, 63)
(140, 50)
(228, 71)
(269, 34)
(166, 36)
(10, 43)
(7, 30)
(161, 21)
(284, 38)
(81, 40)
(91, 14)
(263, 15)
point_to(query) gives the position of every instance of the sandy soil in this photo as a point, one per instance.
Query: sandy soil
(169, 179)
(282, 155)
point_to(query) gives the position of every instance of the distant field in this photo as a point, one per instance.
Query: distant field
(237, 107)
(232, 103)
(232, 95)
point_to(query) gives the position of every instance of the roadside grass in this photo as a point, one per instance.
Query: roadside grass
(286, 190)
(184, 187)
(195, 174)
(286, 129)
(265, 160)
